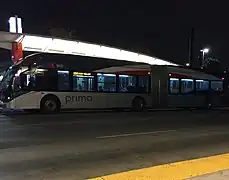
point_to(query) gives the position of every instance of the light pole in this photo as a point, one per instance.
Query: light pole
(204, 51)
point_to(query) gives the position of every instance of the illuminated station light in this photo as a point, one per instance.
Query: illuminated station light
(44, 44)
(205, 50)
(60, 46)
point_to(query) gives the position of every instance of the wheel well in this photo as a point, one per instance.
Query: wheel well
(51, 96)
(139, 97)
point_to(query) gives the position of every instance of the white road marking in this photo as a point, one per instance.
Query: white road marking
(48, 123)
(38, 125)
(4, 118)
(10, 129)
(134, 134)
(54, 123)
(147, 119)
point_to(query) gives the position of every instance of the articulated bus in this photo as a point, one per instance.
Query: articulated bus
(136, 87)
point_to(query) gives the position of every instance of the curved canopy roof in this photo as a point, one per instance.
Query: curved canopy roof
(46, 44)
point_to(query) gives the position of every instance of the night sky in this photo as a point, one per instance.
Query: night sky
(160, 28)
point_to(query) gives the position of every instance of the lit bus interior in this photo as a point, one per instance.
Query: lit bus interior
(62, 80)
(123, 80)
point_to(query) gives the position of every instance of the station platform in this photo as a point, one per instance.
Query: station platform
(207, 168)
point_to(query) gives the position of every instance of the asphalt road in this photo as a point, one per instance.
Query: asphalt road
(86, 145)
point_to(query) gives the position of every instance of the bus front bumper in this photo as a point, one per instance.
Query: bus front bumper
(7, 108)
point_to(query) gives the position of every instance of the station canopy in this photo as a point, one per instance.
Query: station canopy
(45, 44)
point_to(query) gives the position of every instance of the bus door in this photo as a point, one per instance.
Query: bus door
(23, 96)
(33, 83)
(159, 86)
(159, 93)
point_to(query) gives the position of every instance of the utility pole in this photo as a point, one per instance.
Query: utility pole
(204, 51)
(190, 48)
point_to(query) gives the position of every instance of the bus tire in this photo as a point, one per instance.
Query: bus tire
(138, 104)
(50, 104)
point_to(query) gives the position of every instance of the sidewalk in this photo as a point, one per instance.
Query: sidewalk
(207, 168)
(221, 175)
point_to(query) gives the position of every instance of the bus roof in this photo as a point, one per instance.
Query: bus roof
(48, 44)
(171, 69)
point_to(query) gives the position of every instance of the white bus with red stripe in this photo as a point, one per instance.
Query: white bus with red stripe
(159, 83)
(127, 87)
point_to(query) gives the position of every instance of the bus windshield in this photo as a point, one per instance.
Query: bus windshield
(6, 83)
(8, 77)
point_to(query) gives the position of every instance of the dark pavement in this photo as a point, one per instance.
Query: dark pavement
(87, 145)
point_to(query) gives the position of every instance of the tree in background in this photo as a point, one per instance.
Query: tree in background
(213, 66)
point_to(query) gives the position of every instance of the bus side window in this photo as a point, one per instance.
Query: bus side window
(174, 85)
(217, 85)
(202, 85)
(106, 82)
(127, 83)
(83, 82)
(63, 80)
(143, 84)
(187, 85)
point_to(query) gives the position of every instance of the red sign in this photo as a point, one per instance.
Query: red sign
(17, 52)
(175, 75)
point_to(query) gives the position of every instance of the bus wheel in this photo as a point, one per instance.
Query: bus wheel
(138, 104)
(50, 104)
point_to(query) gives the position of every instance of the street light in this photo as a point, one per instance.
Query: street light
(187, 64)
(204, 51)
